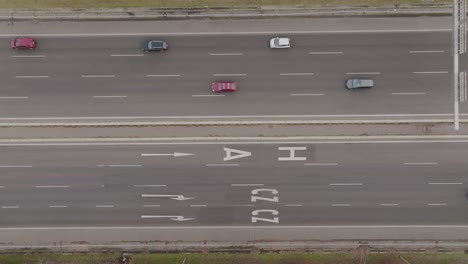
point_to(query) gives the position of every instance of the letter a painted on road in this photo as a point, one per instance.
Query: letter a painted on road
(237, 154)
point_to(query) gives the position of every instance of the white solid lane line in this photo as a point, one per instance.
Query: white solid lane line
(31, 76)
(14, 97)
(297, 74)
(392, 204)
(408, 93)
(124, 165)
(246, 184)
(434, 72)
(28, 56)
(127, 55)
(109, 96)
(58, 206)
(321, 164)
(150, 185)
(151, 205)
(163, 75)
(207, 95)
(325, 52)
(427, 51)
(104, 206)
(229, 74)
(97, 76)
(198, 205)
(345, 184)
(436, 204)
(222, 165)
(10, 207)
(445, 183)
(306, 94)
(350, 73)
(340, 205)
(420, 163)
(52, 186)
(226, 54)
(16, 166)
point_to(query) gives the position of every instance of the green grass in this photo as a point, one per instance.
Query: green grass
(193, 3)
(236, 259)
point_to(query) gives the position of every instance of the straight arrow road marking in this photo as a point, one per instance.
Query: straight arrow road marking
(177, 197)
(175, 154)
(179, 218)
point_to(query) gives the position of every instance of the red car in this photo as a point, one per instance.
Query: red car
(22, 43)
(227, 86)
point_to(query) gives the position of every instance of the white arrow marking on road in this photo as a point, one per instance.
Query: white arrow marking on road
(179, 218)
(175, 154)
(239, 154)
(173, 197)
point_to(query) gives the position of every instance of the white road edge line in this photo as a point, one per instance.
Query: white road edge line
(28, 56)
(246, 184)
(435, 72)
(427, 51)
(163, 75)
(222, 165)
(226, 54)
(229, 74)
(52, 186)
(97, 76)
(420, 163)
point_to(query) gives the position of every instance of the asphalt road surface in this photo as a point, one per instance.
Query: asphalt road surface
(141, 184)
(109, 76)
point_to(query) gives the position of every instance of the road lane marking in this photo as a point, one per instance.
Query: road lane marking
(151, 205)
(297, 74)
(151, 185)
(31, 76)
(293, 205)
(391, 204)
(408, 93)
(58, 206)
(325, 52)
(10, 207)
(16, 166)
(245, 205)
(338, 205)
(14, 97)
(445, 183)
(97, 76)
(436, 204)
(229, 74)
(226, 54)
(433, 72)
(306, 94)
(52, 186)
(1, 187)
(351, 73)
(109, 96)
(127, 55)
(345, 184)
(246, 184)
(222, 165)
(420, 163)
(175, 154)
(28, 56)
(124, 165)
(198, 205)
(104, 206)
(321, 164)
(163, 75)
(207, 95)
(427, 51)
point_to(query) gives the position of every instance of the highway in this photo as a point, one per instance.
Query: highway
(108, 76)
(225, 183)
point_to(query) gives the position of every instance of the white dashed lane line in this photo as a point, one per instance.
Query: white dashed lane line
(293, 205)
(445, 183)
(362, 73)
(229, 74)
(433, 72)
(325, 52)
(321, 164)
(427, 51)
(226, 54)
(110, 96)
(246, 184)
(10, 207)
(163, 75)
(104, 206)
(52, 186)
(151, 205)
(126, 55)
(389, 204)
(15, 166)
(207, 95)
(436, 204)
(297, 74)
(1, 187)
(28, 56)
(408, 93)
(338, 205)
(14, 97)
(222, 165)
(125, 165)
(58, 206)
(150, 185)
(97, 76)
(198, 205)
(420, 163)
(345, 184)
(31, 76)
(245, 205)
(306, 94)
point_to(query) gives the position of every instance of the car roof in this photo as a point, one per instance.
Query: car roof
(283, 41)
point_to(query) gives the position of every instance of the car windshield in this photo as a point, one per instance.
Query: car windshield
(220, 86)
(357, 83)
